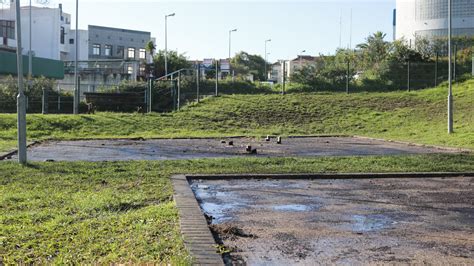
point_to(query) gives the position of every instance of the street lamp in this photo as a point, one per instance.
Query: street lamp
(77, 93)
(300, 56)
(21, 101)
(266, 41)
(230, 39)
(166, 42)
(450, 90)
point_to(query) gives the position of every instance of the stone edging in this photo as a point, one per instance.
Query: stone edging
(9, 154)
(194, 228)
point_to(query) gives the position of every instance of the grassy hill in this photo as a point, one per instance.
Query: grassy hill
(418, 116)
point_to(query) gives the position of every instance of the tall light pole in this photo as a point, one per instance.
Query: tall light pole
(166, 42)
(266, 74)
(21, 101)
(300, 56)
(77, 92)
(230, 40)
(30, 59)
(450, 90)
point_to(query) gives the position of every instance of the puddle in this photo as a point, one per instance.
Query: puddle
(292, 208)
(218, 211)
(367, 223)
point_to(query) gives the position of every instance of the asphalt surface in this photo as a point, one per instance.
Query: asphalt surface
(177, 149)
(344, 221)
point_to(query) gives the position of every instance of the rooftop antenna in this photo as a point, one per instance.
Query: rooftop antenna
(340, 29)
(350, 34)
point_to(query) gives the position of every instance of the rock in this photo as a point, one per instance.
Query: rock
(279, 140)
(249, 148)
(231, 143)
(49, 160)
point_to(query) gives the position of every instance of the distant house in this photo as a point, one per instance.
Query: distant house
(300, 62)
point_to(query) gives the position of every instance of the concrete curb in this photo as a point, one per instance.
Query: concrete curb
(197, 236)
(333, 175)
(9, 154)
(461, 150)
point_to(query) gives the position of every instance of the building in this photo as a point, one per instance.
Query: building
(429, 18)
(300, 62)
(50, 29)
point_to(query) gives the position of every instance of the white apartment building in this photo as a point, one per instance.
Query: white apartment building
(50, 30)
(429, 18)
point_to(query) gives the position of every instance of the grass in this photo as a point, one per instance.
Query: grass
(123, 212)
(418, 116)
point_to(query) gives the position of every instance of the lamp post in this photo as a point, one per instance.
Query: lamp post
(30, 59)
(230, 40)
(21, 101)
(77, 93)
(300, 56)
(266, 41)
(166, 42)
(450, 88)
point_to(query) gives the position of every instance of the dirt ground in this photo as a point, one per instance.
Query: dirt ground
(357, 221)
(172, 149)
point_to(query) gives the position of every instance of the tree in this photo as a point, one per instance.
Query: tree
(375, 49)
(244, 63)
(175, 62)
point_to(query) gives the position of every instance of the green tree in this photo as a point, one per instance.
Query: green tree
(374, 50)
(244, 63)
(175, 62)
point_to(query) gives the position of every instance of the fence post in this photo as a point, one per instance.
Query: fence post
(408, 75)
(347, 77)
(179, 90)
(454, 62)
(217, 76)
(436, 70)
(44, 102)
(198, 70)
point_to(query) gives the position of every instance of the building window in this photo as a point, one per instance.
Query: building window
(142, 54)
(62, 35)
(108, 50)
(71, 41)
(7, 29)
(120, 50)
(96, 49)
(131, 52)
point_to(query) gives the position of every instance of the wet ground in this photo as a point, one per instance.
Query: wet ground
(171, 149)
(307, 222)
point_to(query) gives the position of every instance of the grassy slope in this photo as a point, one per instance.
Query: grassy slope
(416, 116)
(62, 213)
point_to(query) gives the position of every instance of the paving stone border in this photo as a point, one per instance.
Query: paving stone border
(197, 236)
(195, 230)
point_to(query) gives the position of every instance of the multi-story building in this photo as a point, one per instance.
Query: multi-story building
(429, 18)
(49, 31)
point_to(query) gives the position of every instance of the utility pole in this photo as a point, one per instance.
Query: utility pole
(21, 101)
(77, 93)
(350, 33)
(450, 74)
(340, 29)
(347, 76)
(266, 41)
(166, 42)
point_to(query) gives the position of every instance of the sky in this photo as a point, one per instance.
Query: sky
(200, 29)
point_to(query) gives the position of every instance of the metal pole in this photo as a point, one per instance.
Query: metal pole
(198, 70)
(436, 70)
(283, 78)
(230, 39)
(30, 56)
(266, 58)
(217, 76)
(76, 78)
(347, 77)
(166, 46)
(450, 87)
(150, 86)
(454, 62)
(179, 90)
(21, 108)
(408, 75)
